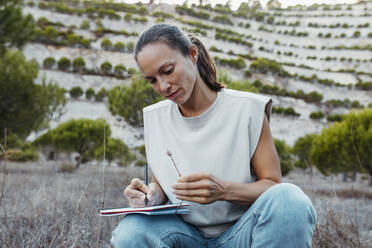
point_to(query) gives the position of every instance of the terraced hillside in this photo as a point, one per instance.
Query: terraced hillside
(315, 59)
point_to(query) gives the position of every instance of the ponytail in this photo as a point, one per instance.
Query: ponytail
(206, 65)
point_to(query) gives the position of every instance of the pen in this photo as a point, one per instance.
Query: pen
(146, 181)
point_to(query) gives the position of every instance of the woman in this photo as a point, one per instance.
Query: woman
(221, 143)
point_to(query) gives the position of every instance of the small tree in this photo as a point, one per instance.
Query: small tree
(356, 34)
(302, 149)
(317, 115)
(83, 136)
(76, 92)
(122, 102)
(119, 46)
(101, 94)
(78, 64)
(106, 44)
(130, 46)
(64, 64)
(49, 62)
(284, 153)
(345, 146)
(106, 67)
(50, 33)
(85, 24)
(89, 93)
(115, 149)
(120, 70)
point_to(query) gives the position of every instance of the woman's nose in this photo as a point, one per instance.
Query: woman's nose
(164, 85)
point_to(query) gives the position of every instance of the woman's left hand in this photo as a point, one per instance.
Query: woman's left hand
(201, 187)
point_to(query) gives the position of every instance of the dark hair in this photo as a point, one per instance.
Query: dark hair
(177, 40)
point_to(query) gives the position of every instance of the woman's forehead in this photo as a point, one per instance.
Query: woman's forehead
(154, 55)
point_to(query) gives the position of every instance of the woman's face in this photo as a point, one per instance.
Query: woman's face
(170, 74)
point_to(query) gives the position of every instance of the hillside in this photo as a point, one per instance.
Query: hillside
(334, 43)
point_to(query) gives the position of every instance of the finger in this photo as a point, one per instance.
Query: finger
(194, 177)
(131, 192)
(203, 184)
(139, 185)
(199, 192)
(201, 200)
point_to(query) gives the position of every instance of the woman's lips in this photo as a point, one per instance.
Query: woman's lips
(173, 95)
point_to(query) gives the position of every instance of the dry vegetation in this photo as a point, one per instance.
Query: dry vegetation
(43, 207)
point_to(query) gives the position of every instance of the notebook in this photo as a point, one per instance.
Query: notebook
(154, 210)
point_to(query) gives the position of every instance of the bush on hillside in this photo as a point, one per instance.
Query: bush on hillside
(76, 92)
(119, 46)
(106, 44)
(49, 62)
(64, 64)
(106, 67)
(89, 93)
(224, 19)
(78, 64)
(100, 95)
(317, 115)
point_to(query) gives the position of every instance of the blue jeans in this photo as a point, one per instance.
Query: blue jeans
(282, 216)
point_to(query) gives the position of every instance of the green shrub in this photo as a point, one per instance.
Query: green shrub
(335, 117)
(76, 92)
(128, 17)
(49, 62)
(215, 49)
(317, 115)
(141, 19)
(119, 70)
(106, 67)
(50, 33)
(132, 71)
(364, 85)
(89, 93)
(263, 65)
(224, 19)
(122, 103)
(370, 35)
(242, 86)
(18, 155)
(64, 64)
(119, 46)
(78, 64)
(247, 73)
(284, 153)
(85, 25)
(130, 46)
(106, 44)
(285, 111)
(101, 94)
(356, 34)
(238, 63)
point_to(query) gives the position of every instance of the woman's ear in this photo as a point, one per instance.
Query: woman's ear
(194, 53)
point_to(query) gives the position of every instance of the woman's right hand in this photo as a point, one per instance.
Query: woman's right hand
(136, 192)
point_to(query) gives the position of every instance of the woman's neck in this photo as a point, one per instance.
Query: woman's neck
(201, 98)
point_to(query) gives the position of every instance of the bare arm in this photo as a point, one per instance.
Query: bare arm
(266, 165)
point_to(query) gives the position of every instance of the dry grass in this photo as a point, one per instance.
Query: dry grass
(43, 207)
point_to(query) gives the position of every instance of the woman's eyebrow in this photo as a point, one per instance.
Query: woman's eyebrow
(160, 69)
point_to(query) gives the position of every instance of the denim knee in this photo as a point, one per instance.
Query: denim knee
(130, 226)
(289, 200)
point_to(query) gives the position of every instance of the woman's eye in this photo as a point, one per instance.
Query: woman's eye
(169, 71)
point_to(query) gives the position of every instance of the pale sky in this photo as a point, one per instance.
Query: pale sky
(235, 3)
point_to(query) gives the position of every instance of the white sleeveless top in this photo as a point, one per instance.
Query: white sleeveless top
(221, 140)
